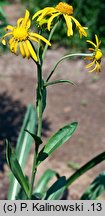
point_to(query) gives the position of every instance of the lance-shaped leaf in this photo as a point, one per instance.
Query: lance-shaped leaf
(56, 141)
(42, 184)
(58, 82)
(89, 165)
(96, 188)
(23, 146)
(15, 167)
(55, 192)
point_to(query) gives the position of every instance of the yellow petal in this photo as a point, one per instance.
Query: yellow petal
(12, 46)
(90, 64)
(26, 18)
(22, 50)
(11, 40)
(88, 41)
(7, 34)
(9, 27)
(33, 54)
(19, 22)
(26, 50)
(40, 37)
(69, 24)
(81, 29)
(97, 41)
(28, 24)
(37, 14)
(45, 12)
(34, 39)
(98, 69)
(91, 49)
(15, 47)
(93, 69)
(3, 41)
(51, 19)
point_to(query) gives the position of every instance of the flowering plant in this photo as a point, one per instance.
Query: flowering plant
(22, 39)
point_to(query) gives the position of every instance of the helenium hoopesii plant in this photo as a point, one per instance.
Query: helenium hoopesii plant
(22, 39)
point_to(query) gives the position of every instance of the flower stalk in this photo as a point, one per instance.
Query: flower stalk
(66, 57)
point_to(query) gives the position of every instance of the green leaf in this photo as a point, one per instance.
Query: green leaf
(57, 140)
(37, 196)
(36, 138)
(55, 192)
(73, 165)
(57, 82)
(92, 163)
(42, 184)
(15, 168)
(23, 146)
(95, 189)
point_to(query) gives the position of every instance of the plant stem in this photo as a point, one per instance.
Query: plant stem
(50, 36)
(39, 130)
(65, 57)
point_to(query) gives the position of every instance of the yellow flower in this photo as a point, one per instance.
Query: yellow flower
(21, 37)
(61, 9)
(97, 55)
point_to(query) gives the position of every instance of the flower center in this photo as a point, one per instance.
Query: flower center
(20, 33)
(98, 55)
(64, 8)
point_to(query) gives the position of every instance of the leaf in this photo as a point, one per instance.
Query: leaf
(57, 82)
(41, 187)
(15, 168)
(73, 165)
(23, 146)
(89, 165)
(21, 194)
(57, 140)
(37, 196)
(96, 188)
(36, 138)
(55, 192)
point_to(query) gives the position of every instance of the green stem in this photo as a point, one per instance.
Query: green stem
(39, 101)
(34, 169)
(39, 130)
(65, 57)
(50, 36)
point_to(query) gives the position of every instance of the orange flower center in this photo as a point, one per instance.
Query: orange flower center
(20, 34)
(64, 8)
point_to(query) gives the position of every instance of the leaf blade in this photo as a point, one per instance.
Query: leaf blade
(15, 168)
(44, 179)
(60, 137)
(95, 189)
(23, 146)
(56, 191)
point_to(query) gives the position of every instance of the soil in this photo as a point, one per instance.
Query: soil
(66, 103)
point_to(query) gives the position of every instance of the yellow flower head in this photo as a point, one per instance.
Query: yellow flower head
(61, 9)
(21, 37)
(97, 55)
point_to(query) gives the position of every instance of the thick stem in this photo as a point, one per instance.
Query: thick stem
(39, 130)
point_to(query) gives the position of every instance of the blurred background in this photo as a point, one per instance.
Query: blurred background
(83, 103)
